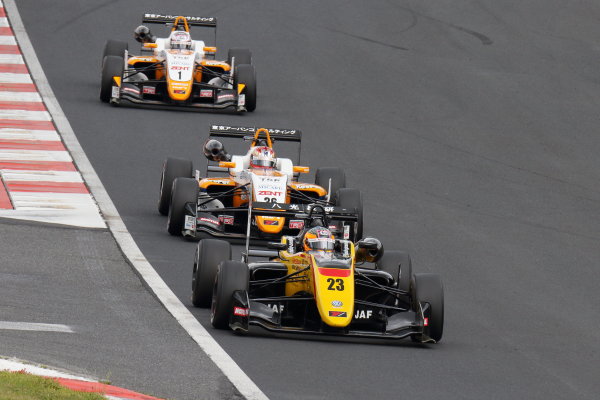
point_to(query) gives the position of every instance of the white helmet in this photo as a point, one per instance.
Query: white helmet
(180, 40)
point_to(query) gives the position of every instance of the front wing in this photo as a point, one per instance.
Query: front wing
(269, 314)
(154, 94)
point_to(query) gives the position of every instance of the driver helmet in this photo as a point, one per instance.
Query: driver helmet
(319, 238)
(262, 157)
(180, 40)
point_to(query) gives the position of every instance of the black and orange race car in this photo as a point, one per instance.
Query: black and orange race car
(176, 70)
(313, 283)
(218, 204)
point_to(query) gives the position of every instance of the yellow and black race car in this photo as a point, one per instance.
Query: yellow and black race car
(176, 70)
(313, 283)
(218, 203)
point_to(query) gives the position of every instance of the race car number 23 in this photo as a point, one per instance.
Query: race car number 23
(335, 284)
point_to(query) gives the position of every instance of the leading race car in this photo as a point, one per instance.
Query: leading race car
(176, 70)
(219, 205)
(313, 283)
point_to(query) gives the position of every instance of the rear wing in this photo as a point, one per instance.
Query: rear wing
(253, 133)
(304, 212)
(167, 18)
(294, 135)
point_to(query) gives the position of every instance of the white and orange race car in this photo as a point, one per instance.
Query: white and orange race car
(220, 205)
(176, 70)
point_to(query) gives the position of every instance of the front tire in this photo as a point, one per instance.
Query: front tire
(172, 168)
(111, 66)
(231, 276)
(399, 265)
(242, 56)
(338, 180)
(352, 198)
(429, 289)
(209, 254)
(114, 48)
(185, 190)
(245, 74)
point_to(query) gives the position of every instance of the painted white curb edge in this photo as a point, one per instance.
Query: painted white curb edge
(14, 365)
(116, 225)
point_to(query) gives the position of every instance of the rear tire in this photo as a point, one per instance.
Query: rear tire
(111, 66)
(242, 56)
(185, 190)
(429, 289)
(338, 180)
(114, 48)
(245, 74)
(231, 276)
(172, 168)
(209, 254)
(352, 198)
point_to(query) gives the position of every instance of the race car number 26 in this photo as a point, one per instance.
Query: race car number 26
(335, 284)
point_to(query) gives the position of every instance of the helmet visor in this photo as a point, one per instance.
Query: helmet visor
(321, 244)
(263, 163)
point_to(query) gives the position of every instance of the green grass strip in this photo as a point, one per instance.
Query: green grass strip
(22, 386)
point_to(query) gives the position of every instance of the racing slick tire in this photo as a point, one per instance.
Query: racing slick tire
(399, 265)
(428, 288)
(172, 168)
(114, 48)
(231, 276)
(242, 56)
(245, 74)
(352, 198)
(209, 253)
(338, 180)
(111, 66)
(185, 190)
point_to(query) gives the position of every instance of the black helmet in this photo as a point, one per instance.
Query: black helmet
(143, 35)
(215, 151)
(368, 249)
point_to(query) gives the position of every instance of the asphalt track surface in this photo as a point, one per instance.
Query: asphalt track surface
(470, 126)
(119, 332)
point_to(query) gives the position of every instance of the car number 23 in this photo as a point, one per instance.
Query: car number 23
(335, 284)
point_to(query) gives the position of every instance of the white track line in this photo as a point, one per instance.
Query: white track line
(32, 326)
(234, 373)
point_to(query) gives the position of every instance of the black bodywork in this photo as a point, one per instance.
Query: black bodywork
(381, 309)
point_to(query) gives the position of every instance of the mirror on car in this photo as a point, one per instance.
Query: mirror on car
(277, 246)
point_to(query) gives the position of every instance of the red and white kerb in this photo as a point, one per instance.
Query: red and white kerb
(38, 179)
